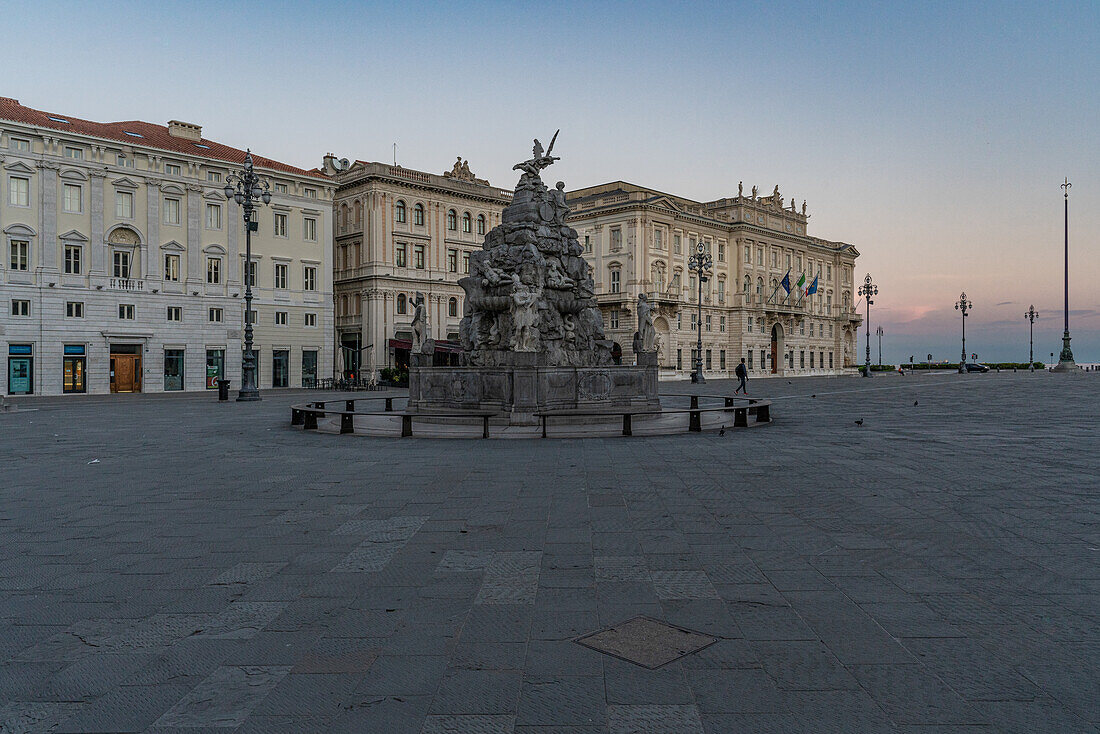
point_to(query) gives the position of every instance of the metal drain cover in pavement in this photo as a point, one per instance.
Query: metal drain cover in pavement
(647, 642)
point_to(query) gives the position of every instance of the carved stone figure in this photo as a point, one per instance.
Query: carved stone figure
(803, 207)
(421, 328)
(529, 287)
(754, 192)
(646, 328)
(740, 188)
(775, 193)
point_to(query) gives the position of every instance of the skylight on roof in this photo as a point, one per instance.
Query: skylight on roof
(58, 119)
(200, 145)
(133, 135)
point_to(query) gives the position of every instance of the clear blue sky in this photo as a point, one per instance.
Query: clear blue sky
(932, 136)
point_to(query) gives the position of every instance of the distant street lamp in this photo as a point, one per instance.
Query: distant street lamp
(963, 305)
(700, 262)
(867, 290)
(878, 333)
(1031, 315)
(1065, 359)
(245, 187)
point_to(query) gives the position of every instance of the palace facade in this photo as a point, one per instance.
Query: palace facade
(638, 240)
(399, 232)
(122, 266)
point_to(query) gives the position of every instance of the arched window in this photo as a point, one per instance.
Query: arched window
(452, 220)
(402, 303)
(358, 212)
(759, 286)
(721, 290)
(659, 277)
(343, 215)
(452, 307)
(400, 214)
(418, 215)
(357, 303)
(481, 224)
(748, 285)
(615, 276)
(775, 284)
(343, 305)
(467, 223)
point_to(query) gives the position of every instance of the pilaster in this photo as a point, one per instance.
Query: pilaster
(152, 197)
(47, 241)
(194, 245)
(97, 265)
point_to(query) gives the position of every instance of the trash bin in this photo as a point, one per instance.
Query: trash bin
(223, 390)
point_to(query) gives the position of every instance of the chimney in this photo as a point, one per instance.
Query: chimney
(185, 130)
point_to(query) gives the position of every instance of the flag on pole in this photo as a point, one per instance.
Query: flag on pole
(813, 287)
(787, 282)
(801, 284)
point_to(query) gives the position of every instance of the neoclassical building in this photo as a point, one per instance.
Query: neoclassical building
(638, 240)
(399, 232)
(122, 266)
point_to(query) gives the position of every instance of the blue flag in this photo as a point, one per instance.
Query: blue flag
(787, 282)
(813, 287)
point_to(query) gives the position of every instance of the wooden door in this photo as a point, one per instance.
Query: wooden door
(775, 357)
(124, 379)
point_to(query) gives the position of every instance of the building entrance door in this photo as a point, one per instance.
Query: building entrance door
(775, 351)
(125, 373)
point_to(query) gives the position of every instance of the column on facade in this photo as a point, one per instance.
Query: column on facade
(194, 245)
(152, 197)
(97, 266)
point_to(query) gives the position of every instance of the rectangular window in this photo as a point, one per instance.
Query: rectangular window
(676, 244)
(19, 191)
(280, 224)
(19, 144)
(172, 267)
(74, 153)
(73, 199)
(213, 176)
(750, 324)
(759, 255)
(749, 362)
(748, 254)
(213, 270)
(175, 313)
(171, 169)
(830, 360)
(122, 160)
(587, 243)
(722, 359)
(721, 252)
(73, 265)
(708, 321)
(721, 323)
(121, 264)
(466, 263)
(658, 239)
(679, 359)
(280, 368)
(20, 307)
(310, 193)
(124, 205)
(802, 360)
(311, 319)
(173, 370)
(171, 211)
(214, 315)
(280, 276)
(213, 216)
(309, 367)
(694, 322)
(811, 360)
(615, 284)
(280, 318)
(418, 254)
(399, 255)
(614, 318)
(74, 309)
(309, 229)
(452, 261)
(309, 279)
(250, 273)
(616, 239)
(763, 359)
(710, 364)
(126, 311)
(280, 188)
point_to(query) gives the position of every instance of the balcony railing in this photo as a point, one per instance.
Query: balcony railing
(127, 284)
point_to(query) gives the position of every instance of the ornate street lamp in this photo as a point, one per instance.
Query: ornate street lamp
(879, 333)
(700, 262)
(1065, 359)
(245, 188)
(867, 290)
(1031, 315)
(963, 305)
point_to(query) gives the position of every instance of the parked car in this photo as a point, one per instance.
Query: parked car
(975, 367)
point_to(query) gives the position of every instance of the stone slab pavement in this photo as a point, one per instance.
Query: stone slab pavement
(934, 570)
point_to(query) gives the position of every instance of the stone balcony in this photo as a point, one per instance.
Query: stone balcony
(126, 284)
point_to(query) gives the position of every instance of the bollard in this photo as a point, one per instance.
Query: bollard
(695, 424)
(223, 390)
(347, 422)
(626, 425)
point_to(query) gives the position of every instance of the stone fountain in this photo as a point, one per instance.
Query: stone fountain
(531, 332)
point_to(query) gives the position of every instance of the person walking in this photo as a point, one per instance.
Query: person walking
(742, 373)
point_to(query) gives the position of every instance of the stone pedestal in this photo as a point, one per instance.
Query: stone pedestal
(1065, 359)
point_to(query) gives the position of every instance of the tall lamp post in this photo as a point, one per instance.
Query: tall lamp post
(245, 188)
(1065, 359)
(963, 305)
(879, 333)
(1031, 315)
(867, 290)
(700, 262)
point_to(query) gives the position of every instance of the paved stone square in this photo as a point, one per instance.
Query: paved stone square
(934, 570)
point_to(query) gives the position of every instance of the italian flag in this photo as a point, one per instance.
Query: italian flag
(801, 284)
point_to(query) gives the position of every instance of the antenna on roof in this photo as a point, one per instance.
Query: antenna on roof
(395, 154)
